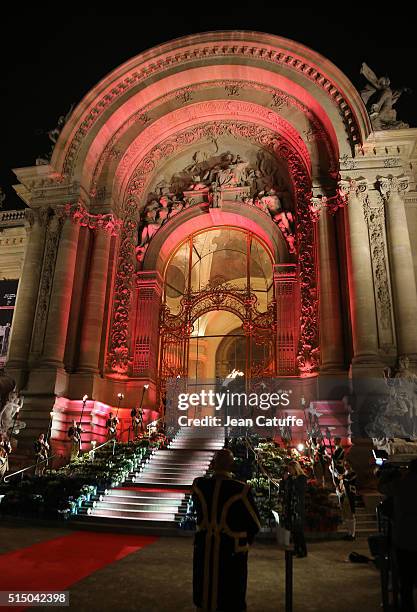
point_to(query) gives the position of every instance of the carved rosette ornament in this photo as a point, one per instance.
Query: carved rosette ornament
(118, 357)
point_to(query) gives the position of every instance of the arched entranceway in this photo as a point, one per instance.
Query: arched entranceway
(219, 300)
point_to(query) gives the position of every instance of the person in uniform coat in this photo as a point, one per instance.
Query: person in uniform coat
(227, 522)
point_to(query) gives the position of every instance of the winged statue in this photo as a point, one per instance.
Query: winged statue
(379, 99)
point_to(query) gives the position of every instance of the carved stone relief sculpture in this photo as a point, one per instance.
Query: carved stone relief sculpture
(204, 181)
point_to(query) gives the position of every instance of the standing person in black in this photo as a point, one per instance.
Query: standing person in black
(350, 483)
(295, 482)
(74, 434)
(41, 448)
(403, 490)
(227, 522)
(338, 456)
(111, 424)
(135, 422)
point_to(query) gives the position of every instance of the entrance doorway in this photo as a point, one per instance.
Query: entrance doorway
(219, 310)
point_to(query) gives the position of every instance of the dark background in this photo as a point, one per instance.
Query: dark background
(49, 62)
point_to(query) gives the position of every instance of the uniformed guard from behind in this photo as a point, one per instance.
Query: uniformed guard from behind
(227, 522)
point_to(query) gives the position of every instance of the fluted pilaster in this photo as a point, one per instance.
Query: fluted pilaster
(361, 286)
(60, 302)
(402, 271)
(24, 312)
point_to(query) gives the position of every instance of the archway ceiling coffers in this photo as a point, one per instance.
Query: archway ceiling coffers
(276, 56)
(273, 102)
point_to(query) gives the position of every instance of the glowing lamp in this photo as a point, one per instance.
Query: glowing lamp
(146, 386)
(300, 448)
(85, 398)
(120, 396)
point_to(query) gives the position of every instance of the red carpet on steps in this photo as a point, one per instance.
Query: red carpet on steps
(57, 564)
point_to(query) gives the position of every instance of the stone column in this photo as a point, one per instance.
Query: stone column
(361, 286)
(403, 279)
(60, 303)
(149, 290)
(27, 292)
(331, 334)
(92, 327)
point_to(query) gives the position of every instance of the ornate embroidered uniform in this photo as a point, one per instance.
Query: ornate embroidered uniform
(227, 522)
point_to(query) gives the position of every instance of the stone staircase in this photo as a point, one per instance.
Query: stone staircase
(156, 497)
(366, 522)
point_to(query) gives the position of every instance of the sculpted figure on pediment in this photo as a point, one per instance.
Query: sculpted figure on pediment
(380, 98)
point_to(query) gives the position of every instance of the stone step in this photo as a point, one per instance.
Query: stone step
(165, 478)
(149, 494)
(162, 461)
(185, 452)
(366, 525)
(130, 499)
(118, 504)
(174, 464)
(132, 514)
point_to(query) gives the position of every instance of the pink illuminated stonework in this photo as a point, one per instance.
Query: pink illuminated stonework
(204, 168)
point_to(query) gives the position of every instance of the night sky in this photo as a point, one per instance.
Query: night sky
(50, 62)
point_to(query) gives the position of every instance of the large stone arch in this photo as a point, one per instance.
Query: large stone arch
(236, 60)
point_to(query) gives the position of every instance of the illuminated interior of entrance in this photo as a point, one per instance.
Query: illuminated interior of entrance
(205, 263)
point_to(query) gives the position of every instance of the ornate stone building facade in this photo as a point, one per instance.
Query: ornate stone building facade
(235, 131)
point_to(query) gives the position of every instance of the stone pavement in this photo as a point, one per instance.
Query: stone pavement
(158, 578)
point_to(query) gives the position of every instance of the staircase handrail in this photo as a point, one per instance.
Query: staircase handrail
(29, 467)
(34, 465)
(114, 440)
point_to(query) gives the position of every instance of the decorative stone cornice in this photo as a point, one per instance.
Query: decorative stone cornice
(78, 214)
(391, 185)
(10, 218)
(206, 51)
